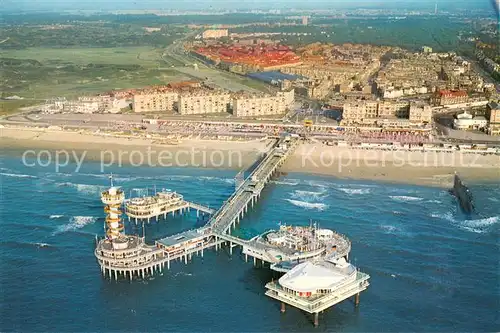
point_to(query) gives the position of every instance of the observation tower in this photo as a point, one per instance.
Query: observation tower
(113, 199)
(119, 254)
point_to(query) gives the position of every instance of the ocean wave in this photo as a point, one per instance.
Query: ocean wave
(38, 245)
(493, 199)
(481, 223)
(16, 175)
(390, 229)
(479, 226)
(315, 183)
(434, 201)
(282, 182)
(116, 178)
(84, 188)
(76, 222)
(355, 190)
(405, 198)
(55, 216)
(43, 245)
(308, 195)
(224, 180)
(177, 177)
(308, 205)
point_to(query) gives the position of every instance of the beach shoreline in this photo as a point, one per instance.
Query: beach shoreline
(408, 167)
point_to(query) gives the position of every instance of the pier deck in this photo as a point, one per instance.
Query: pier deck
(218, 228)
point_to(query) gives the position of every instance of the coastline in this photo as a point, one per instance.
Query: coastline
(408, 167)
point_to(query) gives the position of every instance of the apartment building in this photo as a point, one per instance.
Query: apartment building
(399, 109)
(420, 113)
(255, 105)
(203, 102)
(160, 101)
(493, 116)
(360, 112)
(449, 97)
(288, 96)
(82, 106)
(369, 112)
(215, 33)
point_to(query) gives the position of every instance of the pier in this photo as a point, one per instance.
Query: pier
(137, 258)
(161, 203)
(129, 257)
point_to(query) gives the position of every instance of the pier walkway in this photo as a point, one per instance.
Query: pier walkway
(250, 190)
(200, 208)
(218, 227)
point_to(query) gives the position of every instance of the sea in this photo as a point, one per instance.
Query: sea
(432, 268)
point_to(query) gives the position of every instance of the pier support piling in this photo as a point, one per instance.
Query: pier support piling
(356, 300)
(283, 309)
(316, 319)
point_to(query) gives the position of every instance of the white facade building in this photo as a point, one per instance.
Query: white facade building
(465, 121)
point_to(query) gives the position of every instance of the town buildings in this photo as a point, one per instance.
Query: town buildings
(203, 102)
(248, 105)
(372, 111)
(466, 121)
(214, 33)
(155, 101)
(190, 99)
(86, 104)
(493, 116)
(408, 74)
(420, 112)
(243, 58)
(448, 97)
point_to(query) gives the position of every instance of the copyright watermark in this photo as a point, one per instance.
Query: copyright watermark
(344, 160)
(59, 159)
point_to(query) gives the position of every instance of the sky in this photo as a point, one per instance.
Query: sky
(57, 5)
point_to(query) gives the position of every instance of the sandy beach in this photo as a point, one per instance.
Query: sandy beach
(412, 167)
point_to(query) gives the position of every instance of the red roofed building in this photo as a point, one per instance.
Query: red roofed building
(447, 97)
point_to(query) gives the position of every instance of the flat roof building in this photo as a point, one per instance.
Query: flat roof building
(202, 102)
(160, 101)
(246, 105)
(420, 113)
(215, 33)
(493, 116)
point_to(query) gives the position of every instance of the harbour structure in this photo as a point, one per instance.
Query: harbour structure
(113, 199)
(286, 249)
(139, 259)
(291, 245)
(314, 286)
(463, 194)
(119, 254)
(161, 203)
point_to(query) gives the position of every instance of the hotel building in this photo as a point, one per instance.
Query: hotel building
(163, 101)
(202, 102)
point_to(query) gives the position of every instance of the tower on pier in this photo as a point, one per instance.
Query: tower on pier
(113, 198)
